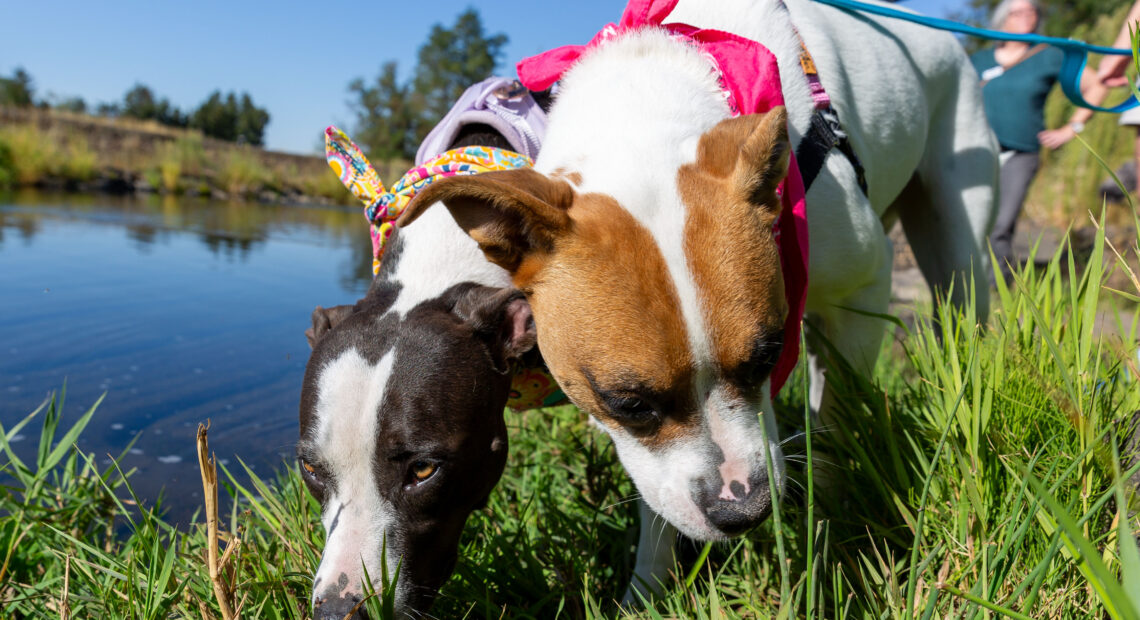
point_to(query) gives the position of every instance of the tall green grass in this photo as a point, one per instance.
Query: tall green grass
(976, 474)
(34, 155)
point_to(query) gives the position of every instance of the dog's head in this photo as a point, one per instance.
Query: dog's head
(666, 336)
(402, 433)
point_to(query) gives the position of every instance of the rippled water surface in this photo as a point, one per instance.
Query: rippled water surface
(180, 310)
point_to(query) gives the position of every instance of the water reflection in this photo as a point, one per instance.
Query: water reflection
(229, 229)
(181, 310)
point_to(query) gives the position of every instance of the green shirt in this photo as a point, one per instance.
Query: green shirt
(1015, 98)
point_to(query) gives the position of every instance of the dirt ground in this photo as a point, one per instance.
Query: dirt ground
(909, 287)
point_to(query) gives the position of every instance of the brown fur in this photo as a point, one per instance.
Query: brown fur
(589, 268)
(607, 279)
(730, 192)
(510, 213)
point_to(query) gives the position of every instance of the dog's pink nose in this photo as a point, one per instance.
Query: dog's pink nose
(732, 507)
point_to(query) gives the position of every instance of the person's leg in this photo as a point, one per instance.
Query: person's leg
(1017, 173)
(1136, 187)
(1131, 118)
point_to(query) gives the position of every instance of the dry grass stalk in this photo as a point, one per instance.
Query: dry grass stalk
(64, 606)
(1131, 274)
(223, 592)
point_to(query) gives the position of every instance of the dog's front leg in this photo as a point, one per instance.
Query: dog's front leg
(654, 557)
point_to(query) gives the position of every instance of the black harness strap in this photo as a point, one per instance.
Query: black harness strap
(826, 133)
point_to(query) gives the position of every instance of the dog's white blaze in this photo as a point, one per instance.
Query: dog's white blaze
(734, 427)
(654, 143)
(641, 176)
(356, 517)
(436, 255)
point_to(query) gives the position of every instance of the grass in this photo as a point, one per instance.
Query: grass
(974, 475)
(49, 147)
(33, 155)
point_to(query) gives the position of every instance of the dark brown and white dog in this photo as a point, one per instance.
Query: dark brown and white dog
(650, 265)
(402, 431)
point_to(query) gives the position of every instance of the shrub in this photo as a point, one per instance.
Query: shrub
(7, 170)
(242, 172)
(33, 153)
(77, 161)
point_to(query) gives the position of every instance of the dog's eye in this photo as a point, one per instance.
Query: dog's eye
(633, 411)
(313, 479)
(422, 470)
(765, 354)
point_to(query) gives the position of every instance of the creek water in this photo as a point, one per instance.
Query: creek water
(180, 310)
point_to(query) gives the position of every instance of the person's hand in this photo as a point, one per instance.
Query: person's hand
(1056, 138)
(1111, 70)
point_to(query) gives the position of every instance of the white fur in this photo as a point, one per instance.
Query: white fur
(348, 399)
(629, 114)
(437, 255)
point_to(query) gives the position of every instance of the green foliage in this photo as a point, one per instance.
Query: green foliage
(175, 159)
(231, 118)
(1060, 16)
(7, 166)
(17, 90)
(77, 161)
(72, 104)
(35, 155)
(141, 103)
(242, 172)
(384, 118)
(392, 118)
(450, 61)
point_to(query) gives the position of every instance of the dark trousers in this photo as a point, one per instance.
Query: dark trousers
(1016, 175)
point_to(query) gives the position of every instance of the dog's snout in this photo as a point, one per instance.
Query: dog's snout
(338, 608)
(732, 508)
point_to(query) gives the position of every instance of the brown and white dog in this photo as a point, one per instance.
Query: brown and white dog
(650, 264)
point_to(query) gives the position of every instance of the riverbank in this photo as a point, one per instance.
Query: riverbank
(55, 149)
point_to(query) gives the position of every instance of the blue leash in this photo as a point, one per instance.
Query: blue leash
(1076, 52)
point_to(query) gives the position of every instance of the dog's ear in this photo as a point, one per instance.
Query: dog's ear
(764, 156)
(324, 319)
(511, 213)
(502, 317)
(751, 153)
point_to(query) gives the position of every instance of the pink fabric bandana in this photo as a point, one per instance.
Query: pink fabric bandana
(751, 79)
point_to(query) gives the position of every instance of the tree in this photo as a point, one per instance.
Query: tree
(251, 122)
(217, 116)
(18, 89)
(72, 104)
(384, 121)
(225, 117)
(392, 118)
(449, 62)
(108, 109)
(141, 103)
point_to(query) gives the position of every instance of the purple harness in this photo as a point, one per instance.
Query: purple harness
(502, 103)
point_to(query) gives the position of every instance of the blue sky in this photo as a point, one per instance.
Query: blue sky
(294, 58)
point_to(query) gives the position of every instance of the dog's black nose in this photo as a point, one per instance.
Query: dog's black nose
(746, 508)
(337, 608)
